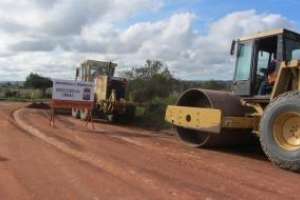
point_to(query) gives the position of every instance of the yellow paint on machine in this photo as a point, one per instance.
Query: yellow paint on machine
(207, 119)
(204, 119)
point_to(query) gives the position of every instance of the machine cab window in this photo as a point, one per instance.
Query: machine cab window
(292, 49)
(253, 60)
(90, 69)
(243, 66)
(263, 60)
(265, 65)
(96, 71)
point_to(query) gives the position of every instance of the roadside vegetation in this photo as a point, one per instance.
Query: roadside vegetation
(34, 88)
(152, 87)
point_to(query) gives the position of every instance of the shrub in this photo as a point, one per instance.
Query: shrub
(11, 93)
(153, 113)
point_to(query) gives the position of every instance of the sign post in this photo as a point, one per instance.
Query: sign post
(72, 94)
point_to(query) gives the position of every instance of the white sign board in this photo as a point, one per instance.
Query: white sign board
(73, 90)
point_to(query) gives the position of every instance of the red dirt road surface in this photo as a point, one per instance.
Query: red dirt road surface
(71, 161)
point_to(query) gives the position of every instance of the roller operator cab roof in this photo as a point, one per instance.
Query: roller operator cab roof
(270, 34)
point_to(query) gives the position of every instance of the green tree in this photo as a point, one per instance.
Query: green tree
(150, 81)
(36, 81)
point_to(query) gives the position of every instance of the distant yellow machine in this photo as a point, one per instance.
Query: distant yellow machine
(205, 118)
(110, 92)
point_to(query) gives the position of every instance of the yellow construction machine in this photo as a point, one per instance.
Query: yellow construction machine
(256, 104)
(110, 92)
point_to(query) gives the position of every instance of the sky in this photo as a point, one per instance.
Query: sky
(191, 37)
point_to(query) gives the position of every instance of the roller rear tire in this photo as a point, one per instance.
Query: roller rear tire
(280, 131)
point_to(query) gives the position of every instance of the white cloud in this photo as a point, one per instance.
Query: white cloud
(192, 55)
(210, 53)
(55, 36)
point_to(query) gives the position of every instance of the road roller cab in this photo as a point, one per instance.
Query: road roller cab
(256, 54)
(265, 100)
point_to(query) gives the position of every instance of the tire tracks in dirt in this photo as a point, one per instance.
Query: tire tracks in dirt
(92, 159)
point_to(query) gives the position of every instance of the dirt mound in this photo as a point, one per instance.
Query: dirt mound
(39, 105)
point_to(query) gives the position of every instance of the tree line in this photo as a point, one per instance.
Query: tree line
(154, 80)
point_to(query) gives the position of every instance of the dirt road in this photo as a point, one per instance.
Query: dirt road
(71, 161)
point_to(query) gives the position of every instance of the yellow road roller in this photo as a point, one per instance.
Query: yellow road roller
(264, 101)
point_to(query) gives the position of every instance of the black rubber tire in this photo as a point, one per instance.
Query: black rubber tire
(130, 113)
(128, 116)
(288, 102)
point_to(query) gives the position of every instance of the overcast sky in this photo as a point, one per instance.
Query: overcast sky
(51, 37)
